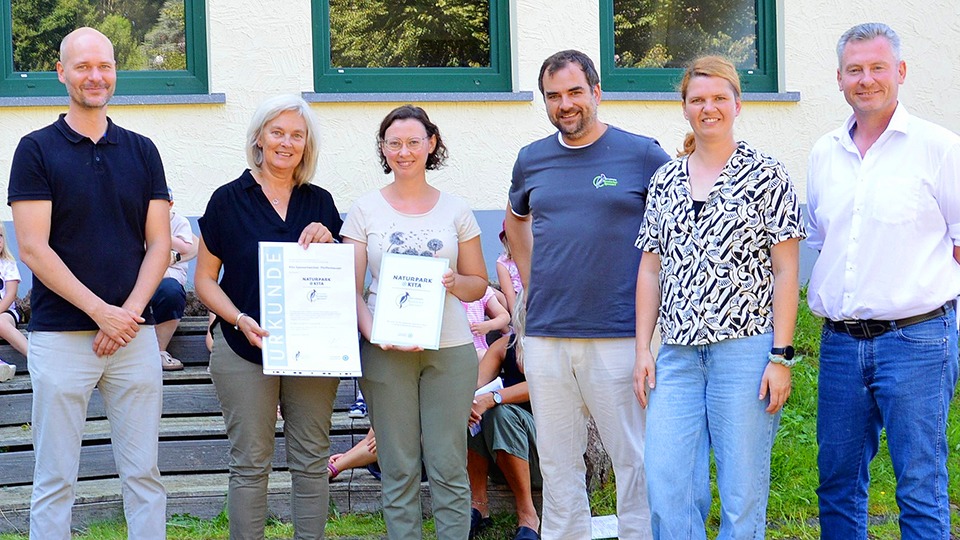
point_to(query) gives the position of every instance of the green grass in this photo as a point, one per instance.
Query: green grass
(791, 512)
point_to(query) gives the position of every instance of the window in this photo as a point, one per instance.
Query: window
(645, 44)
(160, 45)
(411, 46)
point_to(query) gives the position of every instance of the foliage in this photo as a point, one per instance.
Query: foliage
(166, 43)
(126, 49)
(141, 13)
(417, 33)
(669, 33)
(137, 28)
(38, 28)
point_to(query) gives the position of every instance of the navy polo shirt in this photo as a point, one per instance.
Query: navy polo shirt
(100, 193)
(239, 217)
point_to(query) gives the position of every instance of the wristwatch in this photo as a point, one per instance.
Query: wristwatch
(784, 356)
(175, 256)
(497, 398)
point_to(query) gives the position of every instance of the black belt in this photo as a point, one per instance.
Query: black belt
(871, 328)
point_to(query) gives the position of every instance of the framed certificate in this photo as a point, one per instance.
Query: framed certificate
(308, 303)
(410, 298)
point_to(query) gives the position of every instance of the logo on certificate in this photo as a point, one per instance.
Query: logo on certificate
(408, 300)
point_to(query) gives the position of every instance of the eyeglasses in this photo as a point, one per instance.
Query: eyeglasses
(413, 144)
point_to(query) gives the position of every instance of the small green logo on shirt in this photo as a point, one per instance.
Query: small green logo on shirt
(603, 181)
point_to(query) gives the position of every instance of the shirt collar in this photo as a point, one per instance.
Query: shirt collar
(109, 137)
(247, 181)
(899, 122)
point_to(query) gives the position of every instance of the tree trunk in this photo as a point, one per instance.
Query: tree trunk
(598, 462)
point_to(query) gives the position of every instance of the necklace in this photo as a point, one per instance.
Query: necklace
(274, 200)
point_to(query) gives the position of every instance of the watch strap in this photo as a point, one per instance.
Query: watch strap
(782, 360)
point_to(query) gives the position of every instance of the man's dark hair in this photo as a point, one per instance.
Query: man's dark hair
(559, 60)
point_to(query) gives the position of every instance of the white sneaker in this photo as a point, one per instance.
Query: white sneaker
(7, 371)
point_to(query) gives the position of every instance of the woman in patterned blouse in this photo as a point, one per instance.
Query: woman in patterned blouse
(720, 237)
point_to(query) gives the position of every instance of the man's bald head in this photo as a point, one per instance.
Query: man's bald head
(80, 37)
(87, 68)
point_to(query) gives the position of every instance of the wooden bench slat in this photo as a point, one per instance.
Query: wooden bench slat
(184, 427)
(175, 456)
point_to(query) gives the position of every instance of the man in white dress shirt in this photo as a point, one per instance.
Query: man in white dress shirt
(884, 207)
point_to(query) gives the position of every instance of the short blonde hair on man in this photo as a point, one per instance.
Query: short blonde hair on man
(272, 108)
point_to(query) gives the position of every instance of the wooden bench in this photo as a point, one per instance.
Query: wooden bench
(193, 454)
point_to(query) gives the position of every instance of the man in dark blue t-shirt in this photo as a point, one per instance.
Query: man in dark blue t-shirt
(90, 208)
(576, 204)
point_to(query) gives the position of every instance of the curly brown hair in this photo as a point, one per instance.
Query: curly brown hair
(436, 159)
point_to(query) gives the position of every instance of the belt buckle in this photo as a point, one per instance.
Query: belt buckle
(865, 329)
(855, 328)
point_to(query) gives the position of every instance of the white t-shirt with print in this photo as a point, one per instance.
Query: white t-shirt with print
(435, 233)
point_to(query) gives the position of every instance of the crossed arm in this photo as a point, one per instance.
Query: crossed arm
(118, 324)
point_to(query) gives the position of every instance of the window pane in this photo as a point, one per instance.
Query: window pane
(418, 33)
(146, 34)
(670, 33)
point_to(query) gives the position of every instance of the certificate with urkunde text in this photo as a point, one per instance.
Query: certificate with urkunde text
(410, 298)
(308, 303)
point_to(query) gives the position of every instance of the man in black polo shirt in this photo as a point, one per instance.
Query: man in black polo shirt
(90, 209)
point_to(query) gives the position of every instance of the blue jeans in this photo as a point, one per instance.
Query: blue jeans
(903, 381)
(169, 301)
(707, 396)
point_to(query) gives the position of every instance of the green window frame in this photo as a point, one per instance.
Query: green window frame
(764, 78)
(495, 78)
(193, 80)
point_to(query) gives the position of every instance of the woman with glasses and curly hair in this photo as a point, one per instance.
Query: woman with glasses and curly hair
(416, 394)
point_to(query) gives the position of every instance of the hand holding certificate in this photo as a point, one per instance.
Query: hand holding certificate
(410, 299)
(308, 304)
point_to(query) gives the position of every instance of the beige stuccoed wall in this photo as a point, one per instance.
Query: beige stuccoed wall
(258, 49)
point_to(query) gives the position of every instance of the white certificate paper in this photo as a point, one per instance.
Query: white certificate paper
(410, 298)
(308, 303)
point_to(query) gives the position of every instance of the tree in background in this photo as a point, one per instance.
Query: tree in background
(166, 42)
(145, 34)
(416, 33)
(670, 33)
(142, 14)
(126, 49)
(38, 28)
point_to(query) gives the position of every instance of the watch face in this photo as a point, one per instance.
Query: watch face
(497, 398)
(786, 352)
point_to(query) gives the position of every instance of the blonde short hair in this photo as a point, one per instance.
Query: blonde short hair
(272, 108)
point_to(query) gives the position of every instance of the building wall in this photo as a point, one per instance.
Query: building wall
(257, 50)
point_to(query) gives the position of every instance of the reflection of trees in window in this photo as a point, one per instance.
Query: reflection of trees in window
(670, 33)
(146, 34)
(416, 33)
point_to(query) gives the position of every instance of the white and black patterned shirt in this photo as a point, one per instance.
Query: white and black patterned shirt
(716, 275)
